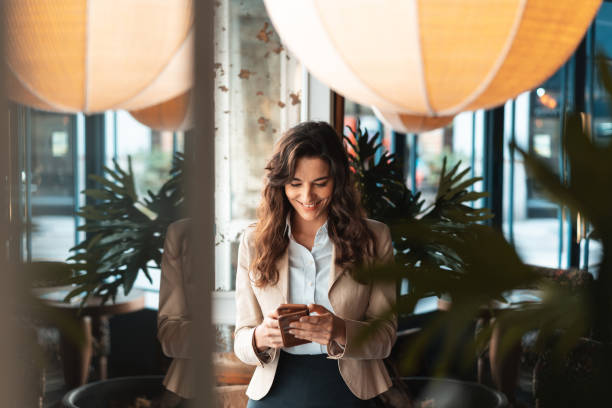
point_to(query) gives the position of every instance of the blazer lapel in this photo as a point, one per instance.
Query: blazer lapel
(334, 273)
(282, 265)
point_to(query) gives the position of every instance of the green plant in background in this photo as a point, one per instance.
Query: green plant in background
(420, 235)
(444, 250)
(124, 233)
(380, 182)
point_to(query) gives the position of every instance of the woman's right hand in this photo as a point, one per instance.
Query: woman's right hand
(267, 334)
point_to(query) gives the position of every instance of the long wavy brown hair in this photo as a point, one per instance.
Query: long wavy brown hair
(346, 224)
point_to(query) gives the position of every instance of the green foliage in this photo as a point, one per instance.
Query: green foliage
(123, 233)
(384, 194)
(444, 249)
(421, 237)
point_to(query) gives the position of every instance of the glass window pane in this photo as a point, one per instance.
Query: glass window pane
(459, 141)
(52, 191)
(600, 108)
(150, 150)
(532, 221)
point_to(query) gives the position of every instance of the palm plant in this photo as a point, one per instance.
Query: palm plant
(124, 233)
(420, 235)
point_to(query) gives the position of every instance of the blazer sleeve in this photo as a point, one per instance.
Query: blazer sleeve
(173, 320)
(379, 343)
(248, 311)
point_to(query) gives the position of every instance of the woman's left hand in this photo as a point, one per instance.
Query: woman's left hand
(321, 328)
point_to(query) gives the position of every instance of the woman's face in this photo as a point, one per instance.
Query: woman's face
(310, 190)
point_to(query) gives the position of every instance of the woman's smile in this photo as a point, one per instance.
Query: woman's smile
(310, 206)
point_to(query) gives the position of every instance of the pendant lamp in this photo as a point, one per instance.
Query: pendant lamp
(406, 123)
(95, 55)
(432, 57)
(173, 115)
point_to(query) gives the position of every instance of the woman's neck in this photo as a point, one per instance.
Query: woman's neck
(309, 228)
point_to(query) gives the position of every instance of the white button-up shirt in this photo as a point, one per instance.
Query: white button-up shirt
(309, 275)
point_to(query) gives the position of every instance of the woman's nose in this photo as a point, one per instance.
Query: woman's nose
(307, 193)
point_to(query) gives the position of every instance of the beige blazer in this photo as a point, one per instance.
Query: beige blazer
(173, 320)
(360, 365)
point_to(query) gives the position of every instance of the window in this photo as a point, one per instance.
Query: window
(598, 107)
(534, 121)
(462, 140)
(48, 167)
(151, 151)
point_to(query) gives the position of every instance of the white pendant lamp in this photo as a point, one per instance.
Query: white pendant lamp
(431, 57)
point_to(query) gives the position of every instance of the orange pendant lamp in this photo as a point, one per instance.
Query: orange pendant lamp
(173, 115)
(95, 55)
(432, 57)
(406, 123)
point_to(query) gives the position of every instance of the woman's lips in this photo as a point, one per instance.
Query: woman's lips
(310, 207)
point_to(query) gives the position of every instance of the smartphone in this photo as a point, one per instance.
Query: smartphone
(290, 313)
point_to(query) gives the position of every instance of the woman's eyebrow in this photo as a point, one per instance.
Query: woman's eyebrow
(318, 179)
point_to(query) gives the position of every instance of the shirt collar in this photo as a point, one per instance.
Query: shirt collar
(322, 228)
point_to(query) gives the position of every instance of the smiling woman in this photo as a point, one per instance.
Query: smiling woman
(310, 230)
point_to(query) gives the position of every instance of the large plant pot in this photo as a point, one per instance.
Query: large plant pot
(123, 390)
(447, 393)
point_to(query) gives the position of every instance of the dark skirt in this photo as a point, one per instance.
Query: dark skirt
(308, 381)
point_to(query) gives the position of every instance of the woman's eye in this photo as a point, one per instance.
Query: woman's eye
(320, 185)
(295, 185)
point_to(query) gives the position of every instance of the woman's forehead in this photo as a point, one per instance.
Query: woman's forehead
(311, 168)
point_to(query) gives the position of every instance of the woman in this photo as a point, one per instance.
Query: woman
(309, 239)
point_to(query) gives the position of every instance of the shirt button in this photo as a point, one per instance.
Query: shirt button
(309, 283)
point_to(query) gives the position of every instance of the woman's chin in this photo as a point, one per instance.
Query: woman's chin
(309, 215)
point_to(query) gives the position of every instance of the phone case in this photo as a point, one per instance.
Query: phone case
(290, 313)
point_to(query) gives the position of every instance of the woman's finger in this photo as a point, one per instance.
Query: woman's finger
(273, 323)
(306, 326)
(316, 325)
(311, 319)
(273, 314)
(310, 333)
(321, 338)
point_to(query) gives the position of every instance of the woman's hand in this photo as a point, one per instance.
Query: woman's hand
(267, 334)
(322, 328)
